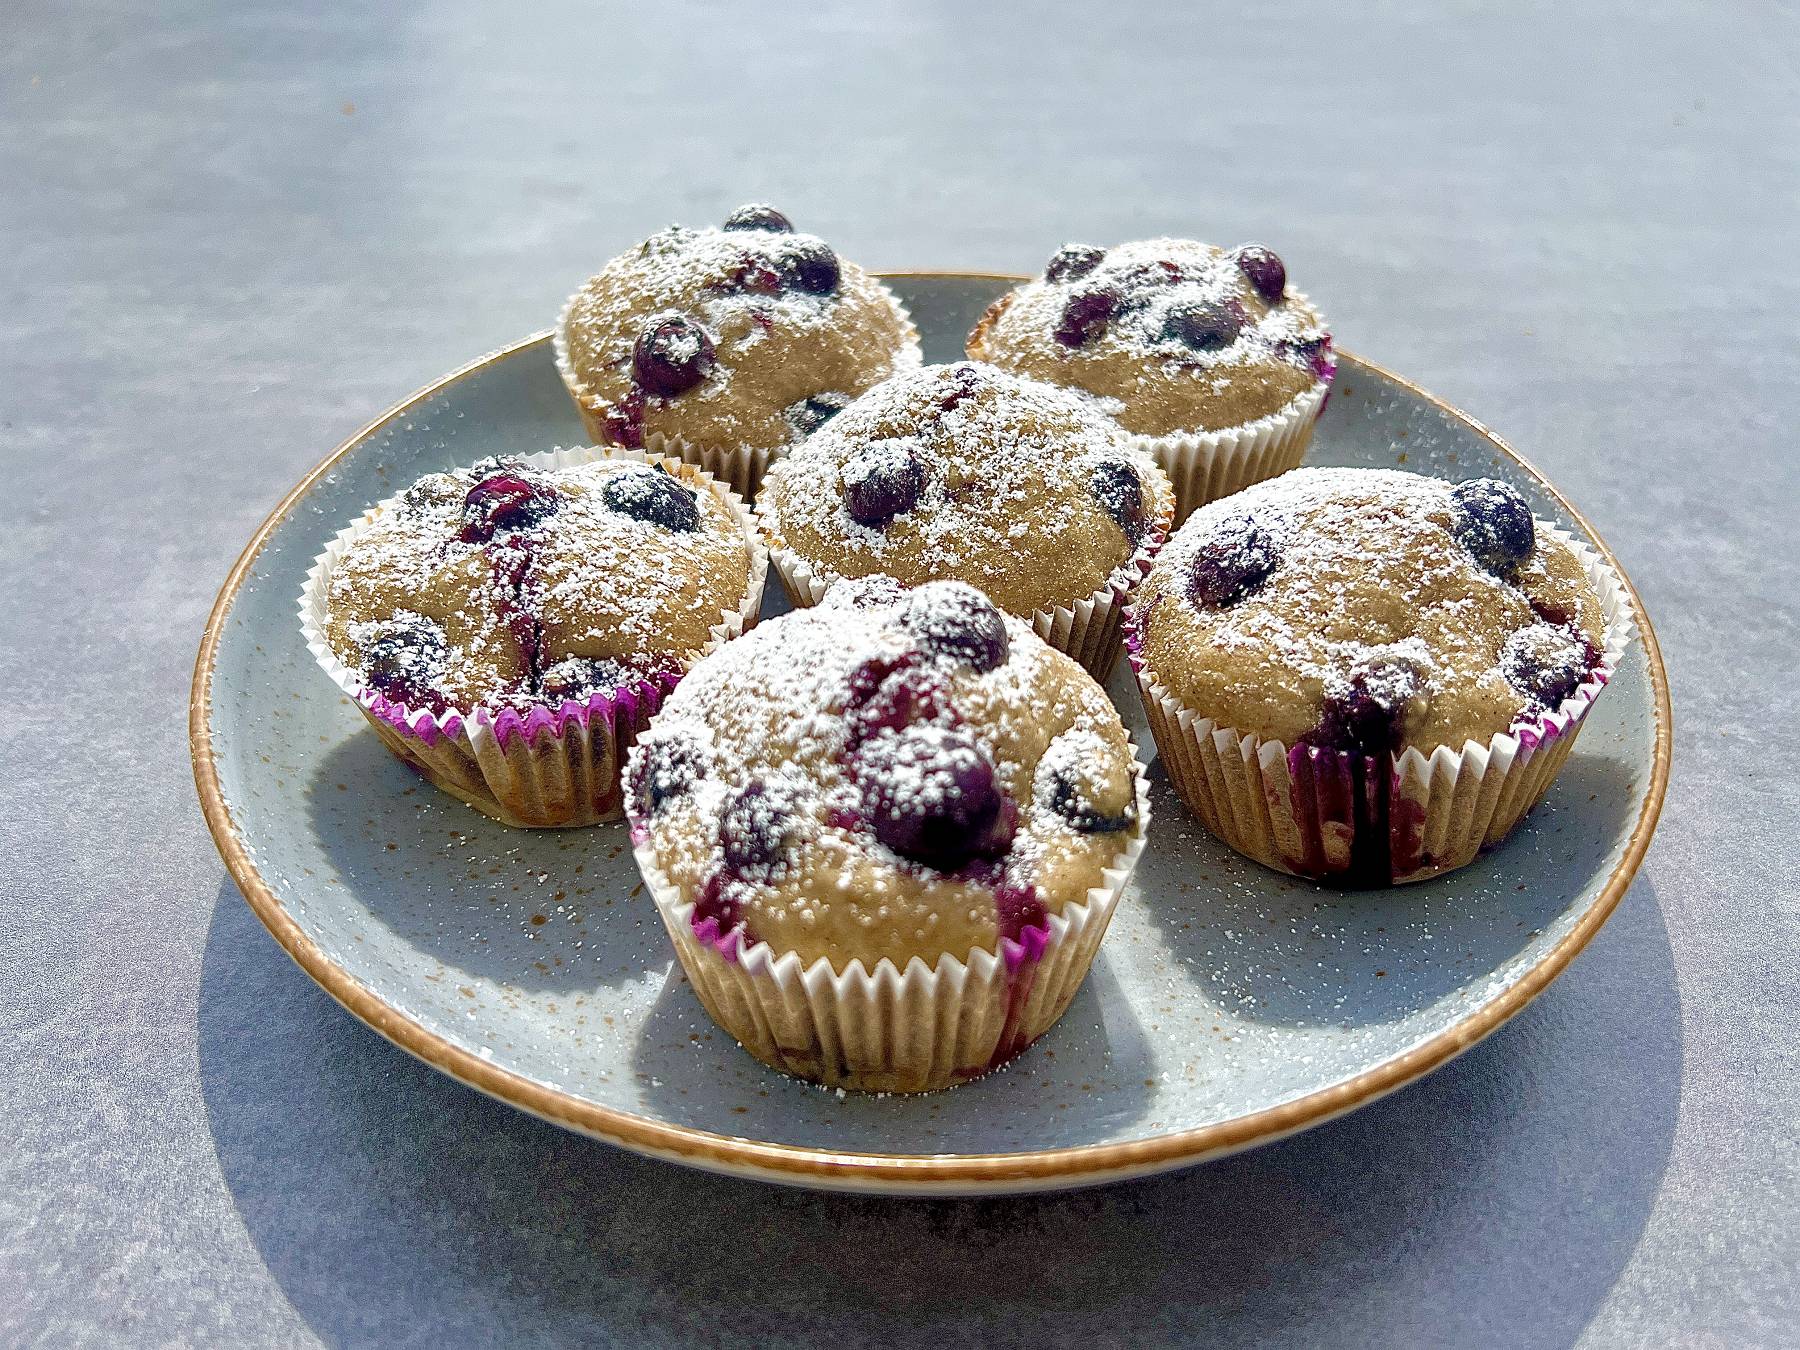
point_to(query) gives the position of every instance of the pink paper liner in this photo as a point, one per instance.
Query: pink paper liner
(542, 767)
(610, 709)
(1362, 820)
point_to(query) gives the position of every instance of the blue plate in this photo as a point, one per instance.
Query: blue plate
(1230, 1005)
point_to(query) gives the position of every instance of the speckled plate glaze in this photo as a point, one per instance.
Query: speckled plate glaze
(1230, 1005)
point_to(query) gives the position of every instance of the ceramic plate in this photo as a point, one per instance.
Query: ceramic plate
(1230, 1005)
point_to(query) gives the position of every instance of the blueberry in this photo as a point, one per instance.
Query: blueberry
(809, 414)
(758, 216)
(952, 618)
(1546, 663)
(1264, 271)
(964, 378)
(1233, 560)
(504, 501)
(1017, 907)
(654, 496)
(888, 695)
(810, 266)
(1071, 262)
(624, 420)
(932, 795)
(753, 272)
(1070, 800)
(672, 355)
(404, 658)
(577, 678)
(1316, 352)
(1120, 492)
(757, 829)
(1086, 315)
(1494, 523)
(669, 767)
(1141, 281)
(882, 481)
(873, 592)
(1366, 714)
(1204, 326)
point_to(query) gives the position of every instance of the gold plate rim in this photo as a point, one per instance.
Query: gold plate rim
(1083, 1164)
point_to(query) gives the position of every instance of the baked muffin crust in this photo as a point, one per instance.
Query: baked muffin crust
(971, 473)
(889, 774)
(751, 335)
(1170, 335)
(501, 584)
(1368, 609)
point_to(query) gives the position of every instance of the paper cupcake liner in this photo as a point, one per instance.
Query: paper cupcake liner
(545, 767)
(1373, 820)
(889, 1029)
(1206, 465)
(740, 467)
(1087, 630)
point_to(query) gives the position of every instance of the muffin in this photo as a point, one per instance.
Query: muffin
(1367, 675)
(1205, 355)
(886, 834)
(969, 473)
(727, 346)
(508, 628)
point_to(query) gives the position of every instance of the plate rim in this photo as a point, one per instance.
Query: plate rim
(1074, 1165)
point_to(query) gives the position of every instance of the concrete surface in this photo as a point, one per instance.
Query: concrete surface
(229, 233)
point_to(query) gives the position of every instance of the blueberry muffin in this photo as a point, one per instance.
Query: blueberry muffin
(529, 602)
(1205, 354)
(887, 833)
(727, 345)
(970, 473)
(1407, 661)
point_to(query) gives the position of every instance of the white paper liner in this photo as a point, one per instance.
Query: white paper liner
(1206, 465)
(546, 767)
(1087, 630)
(740, 467)
(892, 1030)
(1329, 815)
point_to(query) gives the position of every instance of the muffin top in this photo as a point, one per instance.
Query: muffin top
(1170, 335)
(747, 335)
(969, 473)
(503, 585)
(891, 773)
(1369, 609)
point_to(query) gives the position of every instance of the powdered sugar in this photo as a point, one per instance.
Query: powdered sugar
(511, 594)
(737, 289)
(1004, 469)
(1370, 588)
(776, 707)
(1158, 281)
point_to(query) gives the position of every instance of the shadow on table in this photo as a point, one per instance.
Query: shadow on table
(1497, 1200)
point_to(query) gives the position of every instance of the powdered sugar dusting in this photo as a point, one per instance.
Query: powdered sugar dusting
(1370, 587)
(1007, 500)
(506, 600)
(778, 339)
(789, 705)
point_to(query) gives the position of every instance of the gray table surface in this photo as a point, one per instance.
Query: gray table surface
(230, 233)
